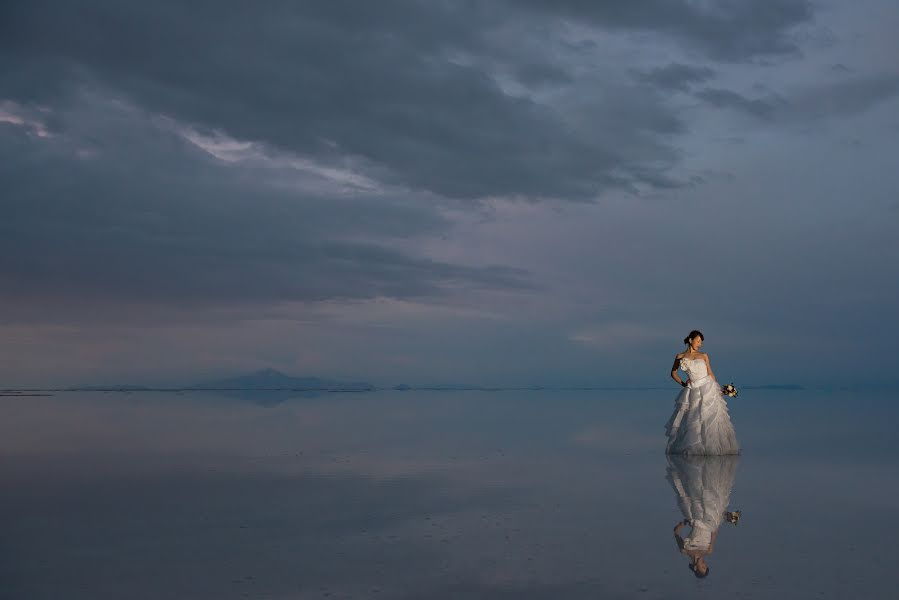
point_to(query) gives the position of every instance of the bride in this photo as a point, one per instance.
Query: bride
(700, 423)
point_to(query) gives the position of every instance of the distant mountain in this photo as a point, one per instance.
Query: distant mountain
(270, 379)
(269, 387)
(786, 386)
(404, 387)
(110, 388)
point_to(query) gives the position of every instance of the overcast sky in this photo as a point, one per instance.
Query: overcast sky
(505, 192)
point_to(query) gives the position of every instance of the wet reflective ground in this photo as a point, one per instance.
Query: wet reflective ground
(533, 494)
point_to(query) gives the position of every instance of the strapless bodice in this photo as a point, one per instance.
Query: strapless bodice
(695, 368)
(700, 537)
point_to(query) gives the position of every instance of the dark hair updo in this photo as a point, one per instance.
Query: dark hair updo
(698, 574)
(692, 335)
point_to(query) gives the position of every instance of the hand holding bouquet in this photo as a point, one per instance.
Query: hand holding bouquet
(733, 517)
(729, 390)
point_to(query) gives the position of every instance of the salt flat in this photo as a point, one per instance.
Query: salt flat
(389, 494)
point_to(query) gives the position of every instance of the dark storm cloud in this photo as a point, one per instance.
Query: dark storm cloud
(731, 30)
(114, 206)
(405, 87)
(676, 76)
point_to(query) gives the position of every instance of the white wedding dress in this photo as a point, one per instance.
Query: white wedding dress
(701, 422)
(703, 485)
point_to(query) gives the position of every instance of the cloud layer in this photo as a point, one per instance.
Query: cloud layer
(464, 191)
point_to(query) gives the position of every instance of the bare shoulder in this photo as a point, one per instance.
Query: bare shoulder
(679, 355)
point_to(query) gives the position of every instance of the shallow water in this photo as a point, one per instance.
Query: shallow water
(525, 494)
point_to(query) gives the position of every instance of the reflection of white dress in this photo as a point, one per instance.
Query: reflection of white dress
(703, 485)
(700, 423)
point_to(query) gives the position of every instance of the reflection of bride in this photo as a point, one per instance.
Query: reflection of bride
(703, 485)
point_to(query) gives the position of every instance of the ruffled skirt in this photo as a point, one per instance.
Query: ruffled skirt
(700, 424)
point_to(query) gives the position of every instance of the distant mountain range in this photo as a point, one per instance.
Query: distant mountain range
(270, 379)
(266, 379)
(787, 386)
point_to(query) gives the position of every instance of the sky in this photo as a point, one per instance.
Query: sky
(526, 192)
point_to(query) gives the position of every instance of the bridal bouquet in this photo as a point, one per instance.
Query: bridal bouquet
(730, 390)
(733, 517)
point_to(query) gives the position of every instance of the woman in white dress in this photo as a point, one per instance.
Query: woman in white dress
(700, 423)
(703, 485)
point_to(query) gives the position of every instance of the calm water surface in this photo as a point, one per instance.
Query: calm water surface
(532, 494)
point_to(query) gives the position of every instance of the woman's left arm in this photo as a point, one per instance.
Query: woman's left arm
(708, 367)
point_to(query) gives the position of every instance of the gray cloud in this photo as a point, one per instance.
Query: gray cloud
(406, 88)
(134, 211)
(206, 176)
(811, 102)
(728, 31)
(846, 97)
(676, 76)
(542, 73)
(721, 98)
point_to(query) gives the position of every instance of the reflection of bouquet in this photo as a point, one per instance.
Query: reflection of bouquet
(733, 517)
(730, 390)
